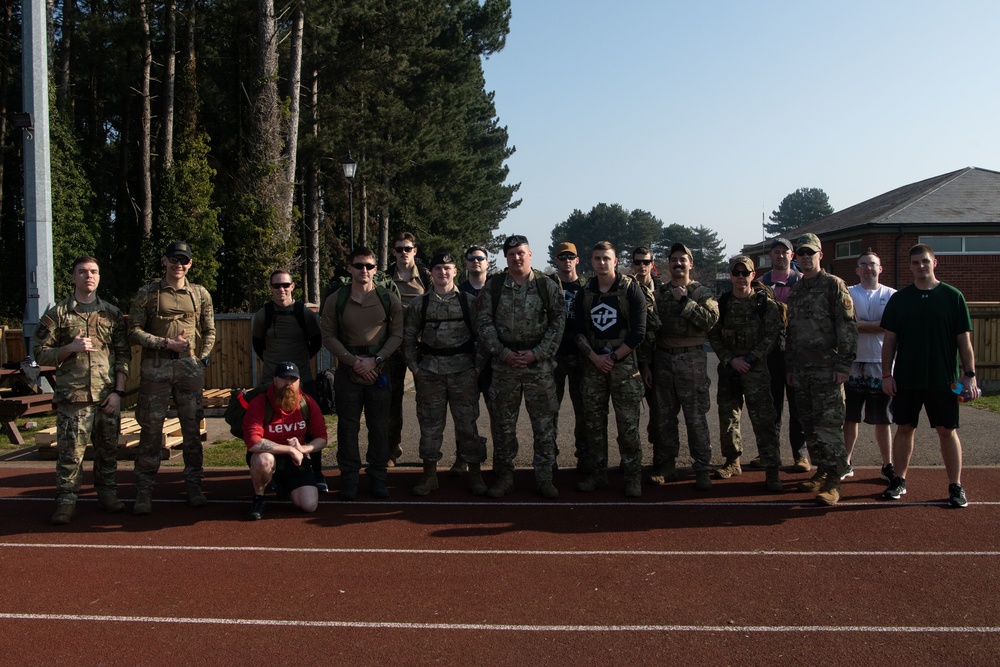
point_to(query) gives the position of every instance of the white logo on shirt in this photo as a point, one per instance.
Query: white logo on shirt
(286, 428)
(603, 316)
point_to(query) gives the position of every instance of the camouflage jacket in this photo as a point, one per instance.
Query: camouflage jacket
(748, 327)
(822, 331)
(83, 377)
(521, 321)
(686, 322)
(441, 343)
(151, 322)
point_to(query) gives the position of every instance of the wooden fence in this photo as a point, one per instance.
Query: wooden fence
(235, 365)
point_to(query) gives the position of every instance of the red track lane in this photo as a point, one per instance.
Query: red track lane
(711, 594)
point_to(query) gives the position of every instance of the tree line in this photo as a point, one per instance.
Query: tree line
(225, 123)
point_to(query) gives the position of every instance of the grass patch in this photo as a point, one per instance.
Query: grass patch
(44, 421)
(226, 454)
(990, 403)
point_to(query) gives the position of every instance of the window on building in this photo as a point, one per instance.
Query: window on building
(848, 249)
(946, 245)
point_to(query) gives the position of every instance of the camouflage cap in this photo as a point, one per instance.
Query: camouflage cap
(286, 369)
(680, 247)
(441, 258)
(741, 260)
(810, 241)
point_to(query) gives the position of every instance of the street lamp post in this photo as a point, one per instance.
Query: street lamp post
(350, 168)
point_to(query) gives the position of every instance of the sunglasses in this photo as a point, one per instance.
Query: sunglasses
(403, 248)
(808, 252)
(744, 273)
(475, 258)
(281, 285)
(361, 265)
(566, 255)
(644, 262)
(183, 261)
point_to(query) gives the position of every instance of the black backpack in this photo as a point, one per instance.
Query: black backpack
(325, 395)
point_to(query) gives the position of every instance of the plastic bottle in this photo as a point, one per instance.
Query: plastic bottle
(382, 381)
(967, 396)
(957, 387)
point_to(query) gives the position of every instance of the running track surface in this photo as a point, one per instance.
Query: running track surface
(734, 576)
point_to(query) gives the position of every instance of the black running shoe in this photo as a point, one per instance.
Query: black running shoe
(256, 512)
(888, 472)
(895, 490)
(956, 496)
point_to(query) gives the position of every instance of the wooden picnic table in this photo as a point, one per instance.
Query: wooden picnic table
(19, 397)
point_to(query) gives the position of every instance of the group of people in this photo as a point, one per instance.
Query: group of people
(797, 333)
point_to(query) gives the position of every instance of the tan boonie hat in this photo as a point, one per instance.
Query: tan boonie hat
(741, 260)
(810, 241)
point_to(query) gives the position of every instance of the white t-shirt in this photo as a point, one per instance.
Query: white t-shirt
(868, 306)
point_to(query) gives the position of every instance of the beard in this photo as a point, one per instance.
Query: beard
(288, 398)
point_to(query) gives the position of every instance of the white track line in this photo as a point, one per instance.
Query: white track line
(501, 552)
(381, 625)
(806, 502)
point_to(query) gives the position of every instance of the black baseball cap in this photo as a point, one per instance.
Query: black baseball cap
(180, 248)
(286, 369)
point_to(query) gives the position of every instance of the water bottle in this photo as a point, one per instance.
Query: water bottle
(964, 394)
(957, 387)
(382, 381)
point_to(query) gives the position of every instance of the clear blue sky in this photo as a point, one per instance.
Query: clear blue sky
(708, 113)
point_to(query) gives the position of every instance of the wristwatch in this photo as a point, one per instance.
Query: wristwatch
(120, 393)
(379, 360)
(970, 374)
(206, 362)
(613, 356)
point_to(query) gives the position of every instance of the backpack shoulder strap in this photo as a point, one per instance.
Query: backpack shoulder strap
(269, 316)
(299, 310)
(724, 305)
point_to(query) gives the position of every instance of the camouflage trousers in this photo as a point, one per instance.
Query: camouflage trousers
(77, 425)
(625, 389)
(571, 367)
(184, 380)
(435, 393)
(821, 409)
(504, 402)
(754, 387)
(682, 383)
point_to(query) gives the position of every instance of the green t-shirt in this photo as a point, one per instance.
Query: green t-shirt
(927, 324)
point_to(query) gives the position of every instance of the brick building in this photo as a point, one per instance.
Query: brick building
(957, 214)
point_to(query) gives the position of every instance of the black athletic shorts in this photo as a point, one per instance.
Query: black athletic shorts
(287, 475)
(941, 406)
(875, 403)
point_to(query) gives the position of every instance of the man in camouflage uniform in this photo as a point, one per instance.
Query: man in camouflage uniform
(687, 312)
(749, 327)
(822, 341)
(644, 273)
(440, 348)
(611, 324)
(174, 323)
(569, 363)
(84, 337)
(520, 320)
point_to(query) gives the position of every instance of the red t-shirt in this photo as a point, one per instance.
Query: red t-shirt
(284, 425)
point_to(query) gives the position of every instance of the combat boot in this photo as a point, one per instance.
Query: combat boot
(195, 497)
(814, 484)
(476, 483)
(503, 485)
(458, 467)
(594, 481)
(772, 481)
(109, 502)
(633, 485)
(829, 493)
(143, 502)
(349, 486)
(665, 472)
(731, 469)
(703, 480)
(64, 514)
(546, 489)
(429, 482)
(378, 488)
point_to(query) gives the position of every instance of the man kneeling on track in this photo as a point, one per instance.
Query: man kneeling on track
(276, 424)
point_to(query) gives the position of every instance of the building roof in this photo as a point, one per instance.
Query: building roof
(969, 196)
